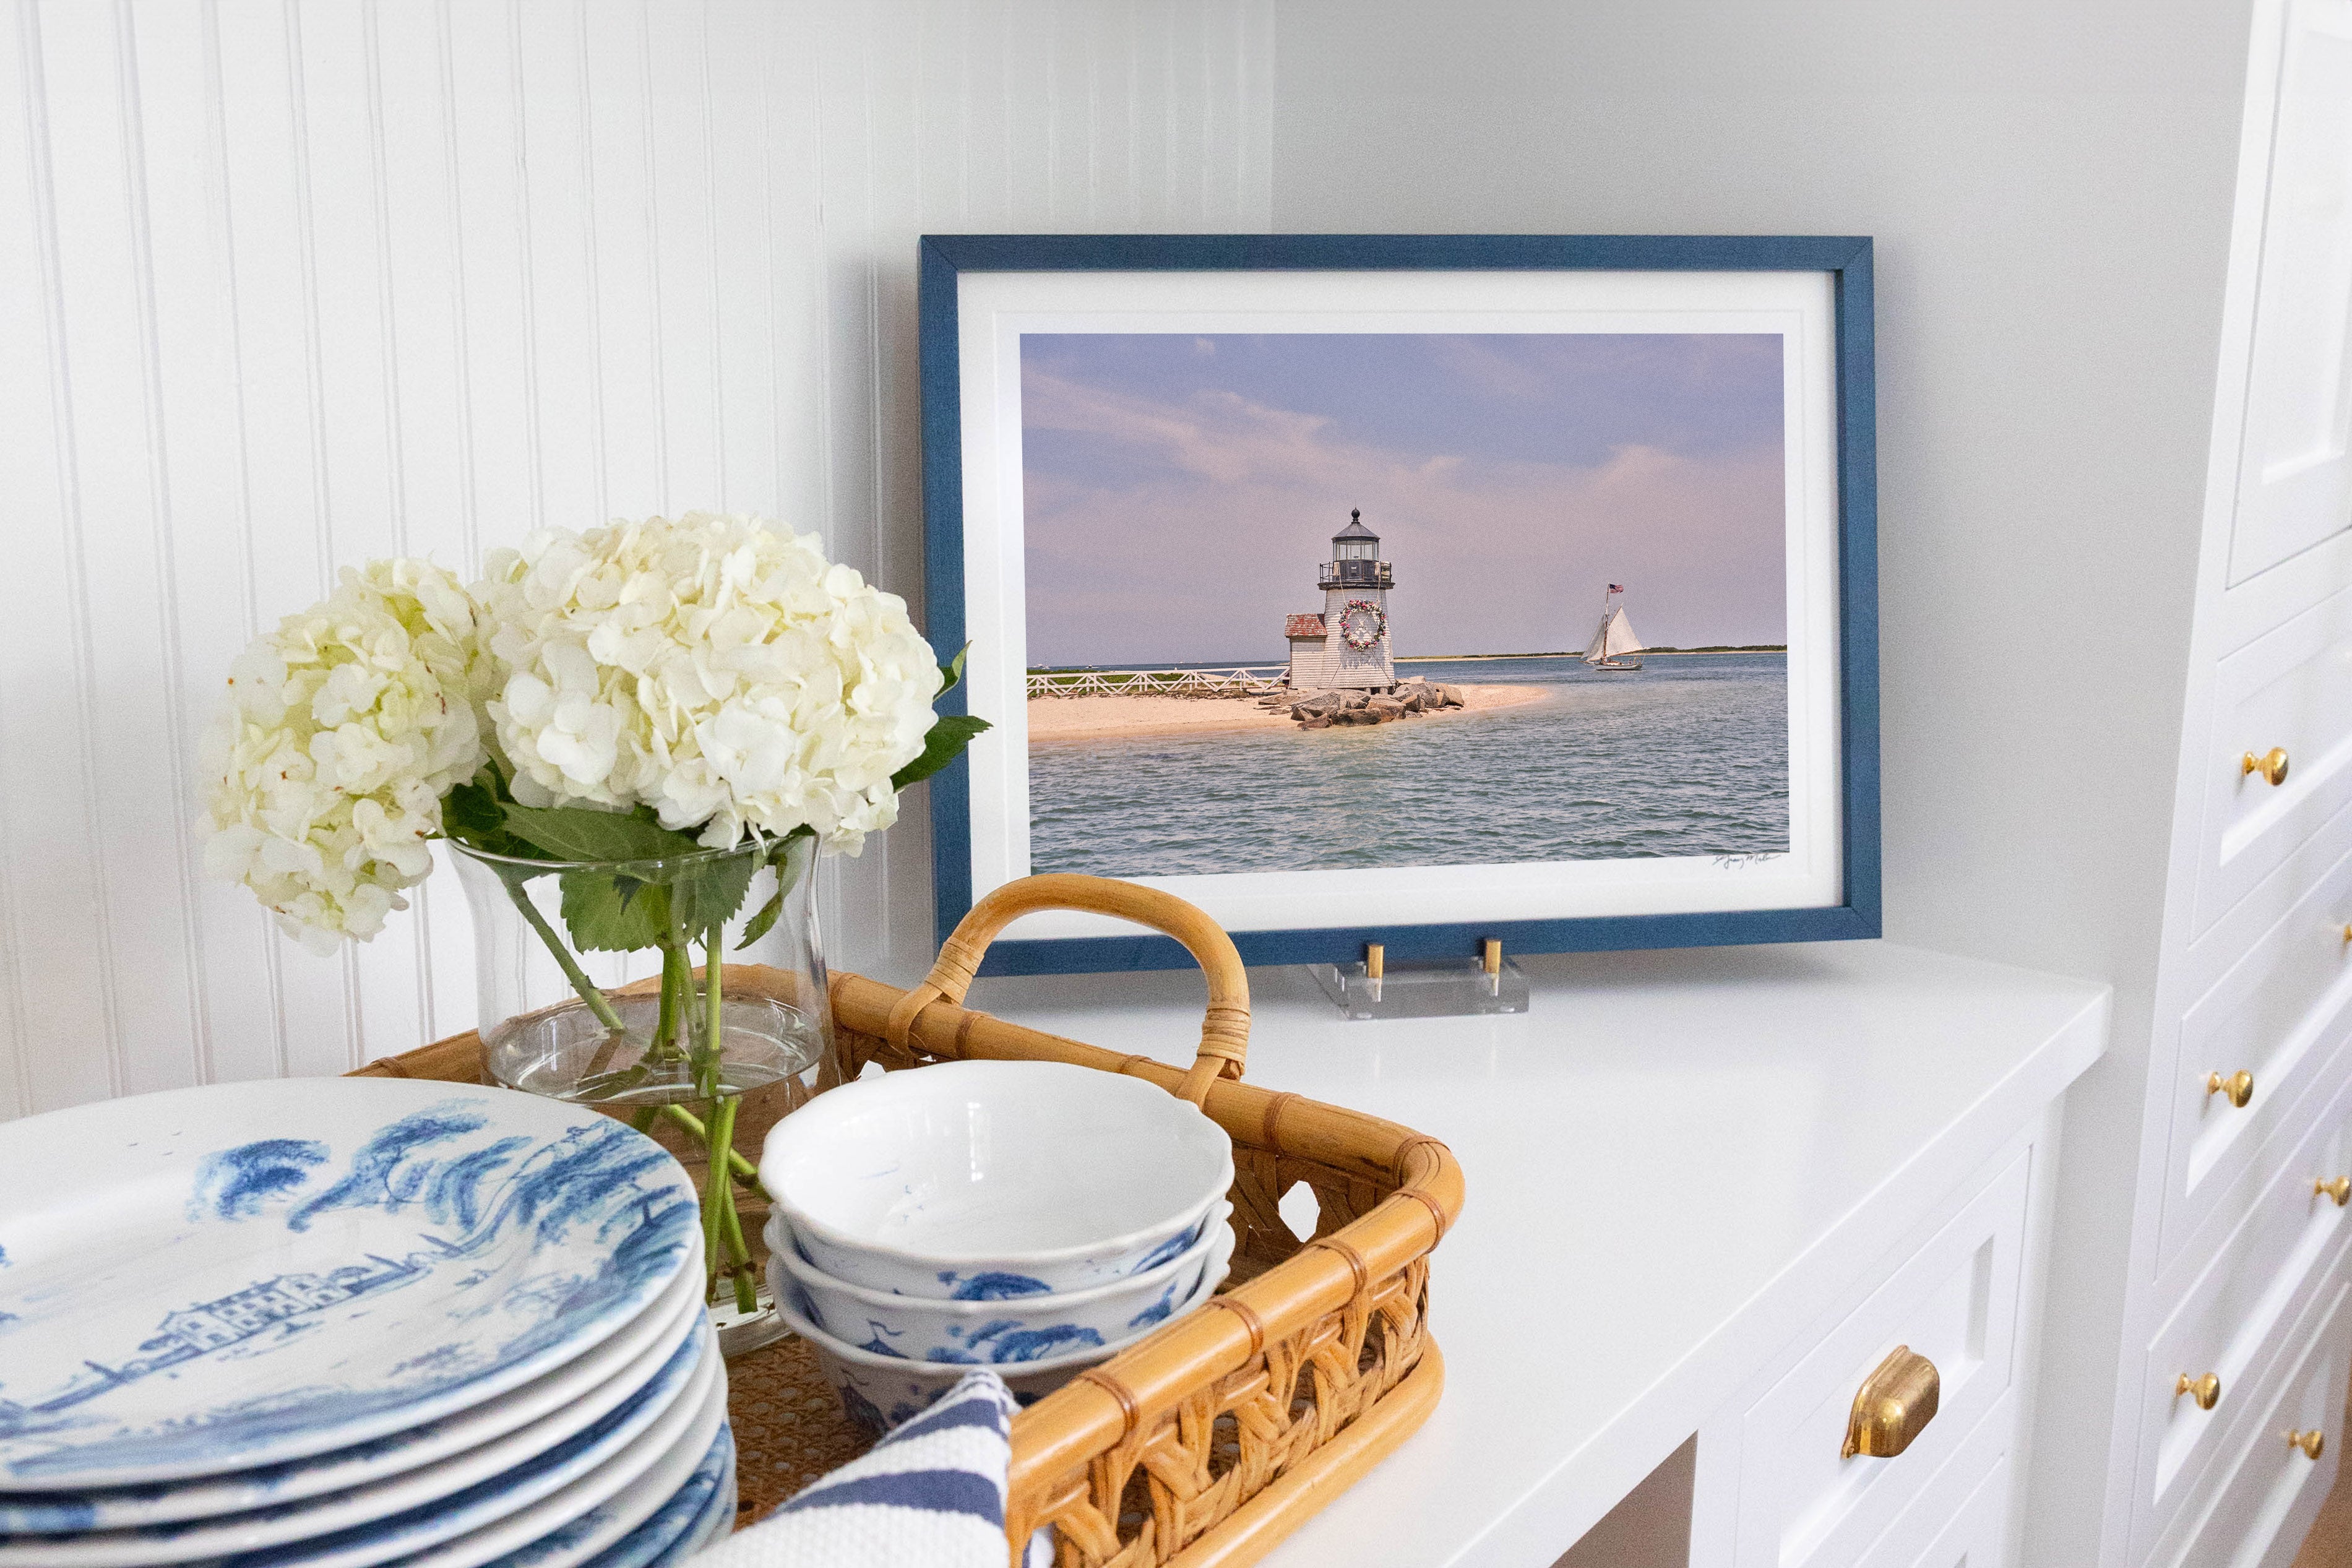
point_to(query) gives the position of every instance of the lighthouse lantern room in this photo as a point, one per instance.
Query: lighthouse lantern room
(1347, 647)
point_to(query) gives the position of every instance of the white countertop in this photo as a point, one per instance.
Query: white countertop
(1675, 1160)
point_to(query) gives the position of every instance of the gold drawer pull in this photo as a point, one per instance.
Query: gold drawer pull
(2336, 1187)
(2271, 764)
(1893, 1406)
(2312, 1443)
(2239, 1087)
(2206, 1390)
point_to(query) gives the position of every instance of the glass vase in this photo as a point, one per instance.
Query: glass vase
(594, 985)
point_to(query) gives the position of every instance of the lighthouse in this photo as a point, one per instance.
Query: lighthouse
(1346, 646)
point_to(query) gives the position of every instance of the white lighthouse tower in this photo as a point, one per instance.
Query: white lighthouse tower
(1347, 647)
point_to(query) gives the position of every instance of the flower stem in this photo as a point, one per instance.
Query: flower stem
(741, 1169)
(746, 1282)
(672, 999)
(714, 1028)
(570, 966)
(718, 1194)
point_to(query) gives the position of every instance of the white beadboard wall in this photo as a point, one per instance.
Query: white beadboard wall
(288, 284)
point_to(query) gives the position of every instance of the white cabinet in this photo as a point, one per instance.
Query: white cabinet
(2232, 1319)
(1774, 1486)
(1804, 1502)
(2293, 473)
(2233, 1323)
(2270, 1490)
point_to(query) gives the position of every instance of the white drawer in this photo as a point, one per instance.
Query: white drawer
(2264, 1507)
(1963, 1514)
(2278, 1014)
(1978, 1534)
(2234, 1317)
(1954, 1302)
(2291, 690)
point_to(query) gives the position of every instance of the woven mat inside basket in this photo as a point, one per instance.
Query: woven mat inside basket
(789, 1428)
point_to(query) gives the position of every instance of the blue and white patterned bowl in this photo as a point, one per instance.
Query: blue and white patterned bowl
(1006, 1323)
(879, 1392)
(1051, 1178)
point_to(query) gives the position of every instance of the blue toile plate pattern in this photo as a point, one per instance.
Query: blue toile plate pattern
(243, 1275)
(496, 1434)
(412, 1510)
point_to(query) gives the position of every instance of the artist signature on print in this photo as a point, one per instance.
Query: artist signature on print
(1753, 857)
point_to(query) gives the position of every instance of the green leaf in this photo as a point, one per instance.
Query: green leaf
(760, 924)
(792, 863)
(581, 833)
(952, 672)
(606, 914)
(709, 894)
(471, 814)
(943, 744)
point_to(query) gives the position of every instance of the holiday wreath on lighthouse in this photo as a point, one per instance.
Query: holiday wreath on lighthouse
(1362, 623)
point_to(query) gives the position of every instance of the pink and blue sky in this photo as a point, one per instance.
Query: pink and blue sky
(1180, 490)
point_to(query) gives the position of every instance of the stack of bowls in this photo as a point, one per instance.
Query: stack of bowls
(1031, 1217)
(327, 1323)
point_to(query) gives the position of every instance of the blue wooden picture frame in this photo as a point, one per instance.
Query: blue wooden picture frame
(1847, 261)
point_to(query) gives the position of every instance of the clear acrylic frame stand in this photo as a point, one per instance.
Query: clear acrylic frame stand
(1447, 988)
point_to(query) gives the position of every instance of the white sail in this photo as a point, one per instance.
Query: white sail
(1614, 638)
(1618, 637)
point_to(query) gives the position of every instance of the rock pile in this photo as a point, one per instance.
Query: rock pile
(1322, 710)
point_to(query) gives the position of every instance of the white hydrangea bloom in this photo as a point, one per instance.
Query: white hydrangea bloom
(716, 669)
(343, 728)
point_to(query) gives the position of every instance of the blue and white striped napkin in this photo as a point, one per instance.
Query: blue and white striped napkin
(930, 1495)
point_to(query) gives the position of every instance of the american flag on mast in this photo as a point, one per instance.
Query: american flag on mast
(1616, 587)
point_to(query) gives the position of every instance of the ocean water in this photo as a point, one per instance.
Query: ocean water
(1687, 756)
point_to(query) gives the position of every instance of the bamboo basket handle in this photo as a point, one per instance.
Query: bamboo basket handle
(1224, 1032)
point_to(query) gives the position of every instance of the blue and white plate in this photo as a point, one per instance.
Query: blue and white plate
(567, 1530)
(217, 1278)
(696, 1514)
(717, 1521)
(487, 1438)
(402, 1513)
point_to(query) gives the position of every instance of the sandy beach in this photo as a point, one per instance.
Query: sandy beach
(1112, 718)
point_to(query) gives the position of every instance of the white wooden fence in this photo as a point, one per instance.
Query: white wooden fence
(1255, 680)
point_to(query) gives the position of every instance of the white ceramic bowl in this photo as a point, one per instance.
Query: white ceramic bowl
(1009, 1329)
(968, 1180)
(879, 1392)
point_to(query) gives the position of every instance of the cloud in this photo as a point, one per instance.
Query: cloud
(1163, 529)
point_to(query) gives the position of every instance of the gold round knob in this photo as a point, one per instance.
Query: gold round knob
(2239, 1087)
(2206, 1390)
(2271, 764)
(2336, 1187)
(2312, 1443)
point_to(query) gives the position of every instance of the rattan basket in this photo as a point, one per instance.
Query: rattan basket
(1208, 1441)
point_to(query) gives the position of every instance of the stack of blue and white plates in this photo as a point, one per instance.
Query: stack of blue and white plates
(335, 1323)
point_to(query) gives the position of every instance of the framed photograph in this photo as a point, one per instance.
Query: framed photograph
(1416, 589)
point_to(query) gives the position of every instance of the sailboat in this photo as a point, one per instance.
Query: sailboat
(1615, 645)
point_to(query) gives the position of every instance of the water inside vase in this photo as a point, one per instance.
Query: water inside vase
(564, 1052)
